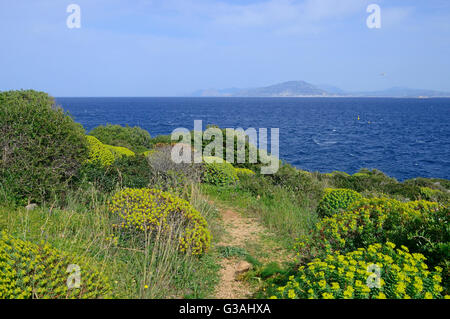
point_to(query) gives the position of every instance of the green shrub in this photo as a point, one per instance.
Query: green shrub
(42, 147)
(421, 226)
(40, 272)
(243, 171)
(217, 173)
(336, 200)
(134, 138)
(119, 151)
(248, 148)
(304, 184)
(151, 210)
(364, 180)
(99, 153)
(170, 176)
(127, 171)
(161, 140)
(351, 276)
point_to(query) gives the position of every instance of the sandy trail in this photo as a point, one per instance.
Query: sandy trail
(239, 230)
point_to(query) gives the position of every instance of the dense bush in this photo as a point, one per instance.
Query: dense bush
(127, 171)
(371, 180)
(119, 151)
(376, 182)
(351, 276)
(248, 149)
(40, 272)
(151, 210)
(41, 147)
(99, 153)
(421, 226)
(134, 138)
(219, 174)
(161, 140)
(171, 176)
(243, 171)
(336, 200)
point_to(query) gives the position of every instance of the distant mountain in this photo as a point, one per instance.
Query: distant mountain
(285, 89)
(305, 89)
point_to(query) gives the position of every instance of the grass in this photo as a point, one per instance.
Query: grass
(156, 271)
(280, 213)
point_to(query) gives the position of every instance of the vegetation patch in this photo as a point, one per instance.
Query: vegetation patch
(378, 272)
(336, 200)
(151, 211)
(41, 272)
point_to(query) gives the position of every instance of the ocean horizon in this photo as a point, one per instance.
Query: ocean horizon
(403, 137)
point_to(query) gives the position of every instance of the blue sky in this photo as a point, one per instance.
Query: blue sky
(174, 47)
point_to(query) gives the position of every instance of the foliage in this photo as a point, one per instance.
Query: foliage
(170, 176)
(119, 151)
(232, 251)
(243, 171)
(41, 146)
(422, 226)
(127, 171)
(376, 182)
(402, 276)
(40, 271)
(145, 210)
(99, 153)
(161, 140)
(238, 139)
(134, 138)
(336, 200)
(303, 183)
(220, 174)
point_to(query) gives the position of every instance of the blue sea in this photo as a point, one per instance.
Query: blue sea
(404, 138)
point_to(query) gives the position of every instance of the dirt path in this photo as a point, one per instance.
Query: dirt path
(239, 230)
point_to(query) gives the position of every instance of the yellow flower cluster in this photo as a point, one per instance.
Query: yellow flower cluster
(369, 221)
(145, 210)
(98, 152)
(29, 271)
(400, 275)
(243, 171)
(104, 154)
(119, 151)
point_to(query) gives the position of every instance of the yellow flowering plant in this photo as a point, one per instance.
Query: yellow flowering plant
(378, 272)
(98, 152)
(154, 211)
(35, 271)
(243, 171)
(119, 151)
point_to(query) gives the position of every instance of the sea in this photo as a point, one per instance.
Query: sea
(405, 138)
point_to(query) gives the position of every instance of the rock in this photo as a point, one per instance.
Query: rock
(242, 267)
(30, 206)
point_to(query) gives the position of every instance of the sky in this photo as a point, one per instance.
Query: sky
(175, 47)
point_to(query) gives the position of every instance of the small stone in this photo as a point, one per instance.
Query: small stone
(30, 206)
(242, 267)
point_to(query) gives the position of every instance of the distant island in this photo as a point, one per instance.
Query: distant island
(305, 89)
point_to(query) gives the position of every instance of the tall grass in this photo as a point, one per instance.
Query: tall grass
(85, 227)
(280, 211)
